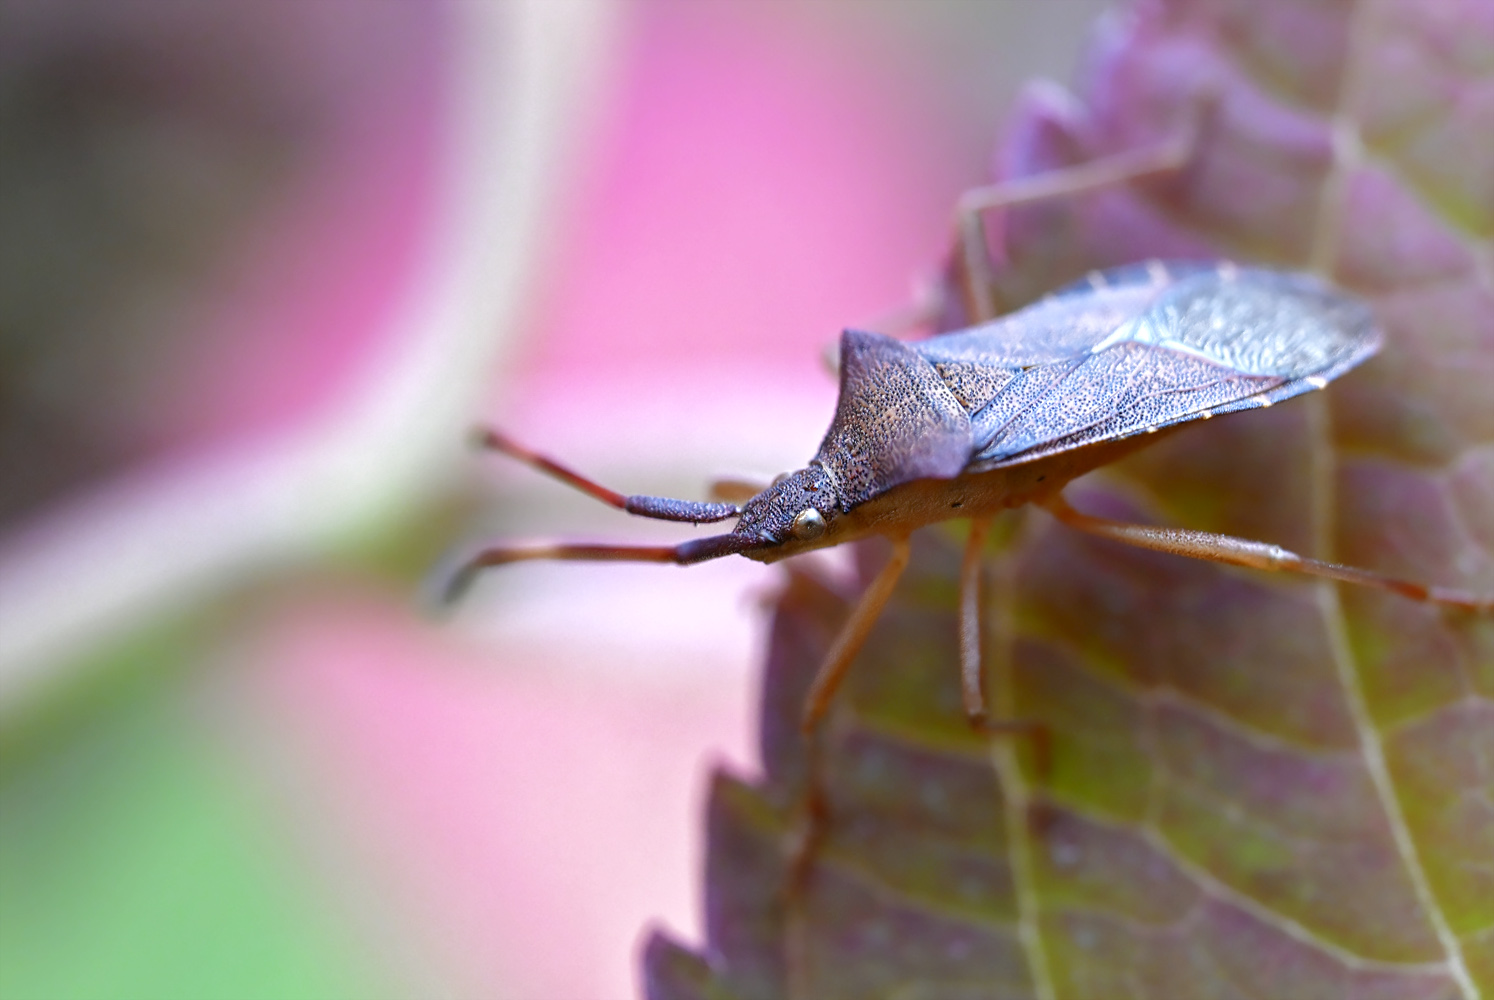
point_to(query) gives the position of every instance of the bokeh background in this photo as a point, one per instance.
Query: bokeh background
(261, 264)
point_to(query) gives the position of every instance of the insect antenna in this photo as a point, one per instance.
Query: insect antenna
(660, 508)
(455, 580)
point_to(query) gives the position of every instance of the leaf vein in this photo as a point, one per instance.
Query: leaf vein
(1347, 156)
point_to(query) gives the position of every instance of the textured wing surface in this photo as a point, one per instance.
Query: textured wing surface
(1143, 347)
(1066, 324)
(1059, 327)
(1126, 389)
(1256, 323)
(895, 421)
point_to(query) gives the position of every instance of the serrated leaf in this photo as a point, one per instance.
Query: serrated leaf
(1256, 786)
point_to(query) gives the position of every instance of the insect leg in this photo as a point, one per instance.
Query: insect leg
(971, 688)
(661, 508)
(1260, 555)
(459, 579)
(733, 489)
(852, 634)
(978, 269)
(827, 679)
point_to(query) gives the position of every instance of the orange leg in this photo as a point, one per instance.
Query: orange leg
(971, 687)
(852, 635)
(661, 508)
(734, 489)
(1119, 168)
(832, 671)
(459, 579)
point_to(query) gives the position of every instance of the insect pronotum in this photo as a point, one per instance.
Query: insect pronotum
(969, 423)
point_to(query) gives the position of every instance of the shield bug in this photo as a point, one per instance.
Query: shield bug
(969, 423)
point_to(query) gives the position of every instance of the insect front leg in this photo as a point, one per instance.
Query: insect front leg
(851, 637)
(827, 679)
(1260, 555)
(734, 489)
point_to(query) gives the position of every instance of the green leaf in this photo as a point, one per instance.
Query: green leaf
(1256, 785)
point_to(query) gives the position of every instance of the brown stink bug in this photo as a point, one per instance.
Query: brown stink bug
(1008, 412)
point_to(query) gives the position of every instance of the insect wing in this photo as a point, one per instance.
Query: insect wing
(1058, 328)
(1265, 323)
(1147, 347)
(1126, 389)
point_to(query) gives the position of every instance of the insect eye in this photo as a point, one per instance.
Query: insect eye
(809, 523)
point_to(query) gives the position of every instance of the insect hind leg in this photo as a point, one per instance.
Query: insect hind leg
(978, 270)
(1234, 551)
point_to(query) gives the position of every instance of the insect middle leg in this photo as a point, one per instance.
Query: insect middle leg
(972, 672)
(1260, 555)
(972, 687)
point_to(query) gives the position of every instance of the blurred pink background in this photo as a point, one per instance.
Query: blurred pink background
(499, 804)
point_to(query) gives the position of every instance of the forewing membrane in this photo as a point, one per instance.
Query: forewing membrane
(1145, 347)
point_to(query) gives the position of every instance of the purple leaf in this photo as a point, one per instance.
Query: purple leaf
(1258, 786)
(672, 972)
